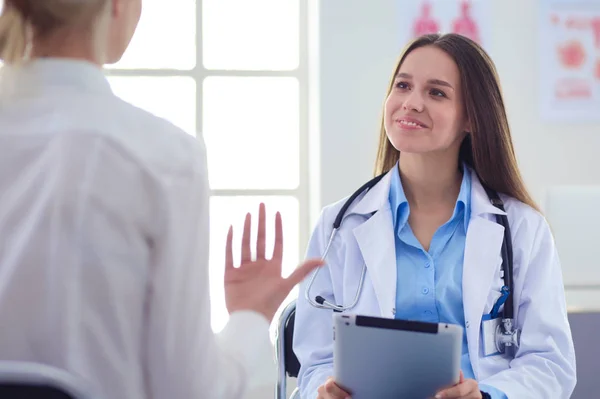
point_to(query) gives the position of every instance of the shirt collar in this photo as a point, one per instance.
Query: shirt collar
(398, 201)
(400, 207)
(36, 75)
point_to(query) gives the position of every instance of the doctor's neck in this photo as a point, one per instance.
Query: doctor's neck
(67, 46)
(430, 180)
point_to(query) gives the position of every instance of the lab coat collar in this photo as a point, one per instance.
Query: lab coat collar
(34, 76)
(375, 238)
(373, 200)
(480, 202)
(482, 261)
(377, 198)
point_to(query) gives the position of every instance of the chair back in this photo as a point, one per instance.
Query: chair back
(287, 362)
(585, 327)
(26, 380)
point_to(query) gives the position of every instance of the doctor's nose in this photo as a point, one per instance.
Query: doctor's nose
(414, 102)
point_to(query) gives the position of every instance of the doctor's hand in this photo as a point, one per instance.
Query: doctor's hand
(257, 284)
(331, 391)
(465, 389)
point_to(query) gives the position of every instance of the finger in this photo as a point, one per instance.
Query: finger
(278, 247)
(246, 252)
(321, 392)
(334, 391)
(229, 250)
(462, 377)
(260, 239)
(457, 391)
(302, 271)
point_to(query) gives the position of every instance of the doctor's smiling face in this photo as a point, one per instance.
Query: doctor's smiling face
(424, 110)
(444, 103)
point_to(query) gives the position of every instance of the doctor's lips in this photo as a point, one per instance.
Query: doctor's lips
(410, 123)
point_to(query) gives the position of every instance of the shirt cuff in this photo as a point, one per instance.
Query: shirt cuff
(494, 392)
(246, 339)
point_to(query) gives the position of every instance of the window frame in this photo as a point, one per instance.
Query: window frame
(301, 73)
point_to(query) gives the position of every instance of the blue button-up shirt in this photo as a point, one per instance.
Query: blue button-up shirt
(429, 283)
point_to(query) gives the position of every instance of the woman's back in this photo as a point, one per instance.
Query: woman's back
(95, 195)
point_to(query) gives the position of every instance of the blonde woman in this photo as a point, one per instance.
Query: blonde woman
(104, 223)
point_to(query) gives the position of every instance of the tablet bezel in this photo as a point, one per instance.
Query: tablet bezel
(444, 367)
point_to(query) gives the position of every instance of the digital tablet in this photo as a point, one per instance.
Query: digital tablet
(386, 358)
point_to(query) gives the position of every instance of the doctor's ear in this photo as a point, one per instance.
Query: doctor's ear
(116, 8)
(468, 129)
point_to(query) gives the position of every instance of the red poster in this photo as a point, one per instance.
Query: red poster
(465, 17)
(570, 61)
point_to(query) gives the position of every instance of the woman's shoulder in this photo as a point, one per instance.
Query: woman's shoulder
(153, 141)
(330, 211)
(523, 218)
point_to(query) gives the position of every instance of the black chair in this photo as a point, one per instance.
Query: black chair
(585, 327)
(24, 380)
(287, 362)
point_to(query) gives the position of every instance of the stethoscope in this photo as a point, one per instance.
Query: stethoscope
(506, 335)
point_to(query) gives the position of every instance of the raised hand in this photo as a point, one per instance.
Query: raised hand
(258, 284)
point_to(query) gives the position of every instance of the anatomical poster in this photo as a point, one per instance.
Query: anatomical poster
(470, 18)
(569, 79)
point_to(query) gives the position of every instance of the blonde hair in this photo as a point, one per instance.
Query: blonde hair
(22, 18)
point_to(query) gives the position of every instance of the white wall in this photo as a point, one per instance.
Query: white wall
(358, 49)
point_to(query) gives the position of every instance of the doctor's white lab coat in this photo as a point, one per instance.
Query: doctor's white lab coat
(544, 366)
(104, 244)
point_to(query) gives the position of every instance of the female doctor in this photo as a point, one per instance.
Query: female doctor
(428, 238)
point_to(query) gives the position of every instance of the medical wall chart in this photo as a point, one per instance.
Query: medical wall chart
(470, 18)
(569, 61)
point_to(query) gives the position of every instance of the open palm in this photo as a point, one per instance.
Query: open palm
(257, 284)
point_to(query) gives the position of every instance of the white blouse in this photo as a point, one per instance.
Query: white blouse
(104, 233)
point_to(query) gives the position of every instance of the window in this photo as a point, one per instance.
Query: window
(236, 71)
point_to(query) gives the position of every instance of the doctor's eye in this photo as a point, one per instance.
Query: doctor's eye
(401, 85)
(437, 93)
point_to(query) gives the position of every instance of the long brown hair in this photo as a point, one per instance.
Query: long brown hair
(488, 148)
